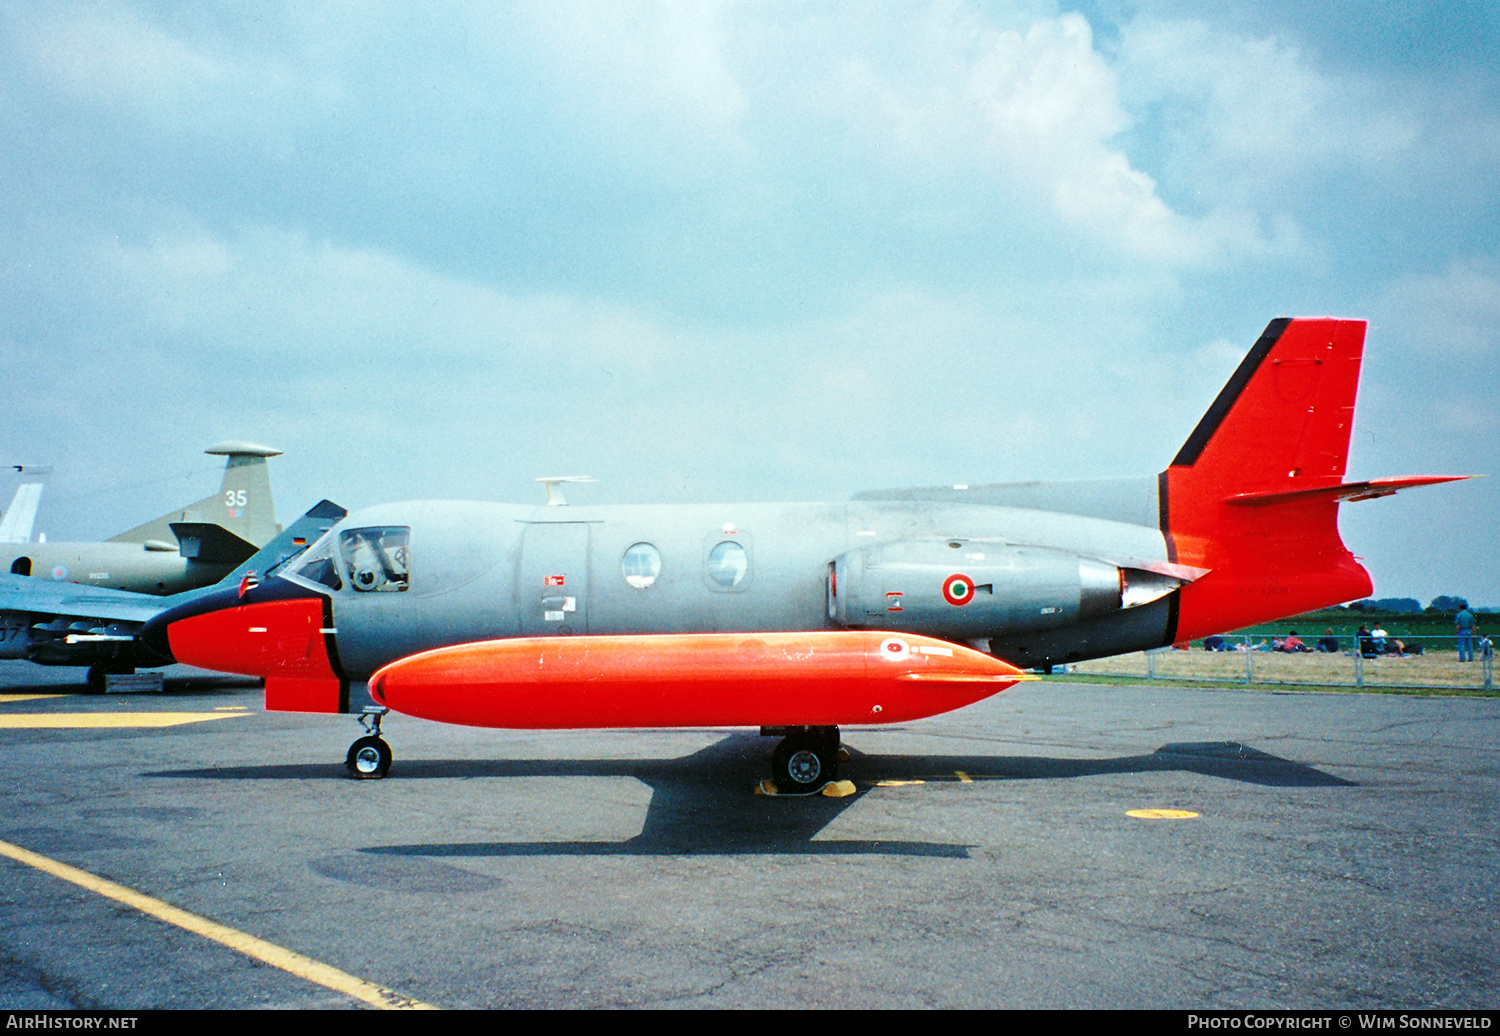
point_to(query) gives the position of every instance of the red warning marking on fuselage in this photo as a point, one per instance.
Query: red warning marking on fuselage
(958, 589)
(554, 580)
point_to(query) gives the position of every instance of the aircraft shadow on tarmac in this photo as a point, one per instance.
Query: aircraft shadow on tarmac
(697, 806)
(208, 683)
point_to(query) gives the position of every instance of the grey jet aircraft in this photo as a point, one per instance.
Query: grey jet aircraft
(800, 618)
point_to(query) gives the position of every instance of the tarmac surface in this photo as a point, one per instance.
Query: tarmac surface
(1344, 853)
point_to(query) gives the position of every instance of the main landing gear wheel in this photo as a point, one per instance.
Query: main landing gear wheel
(369, 759)
(804, 762)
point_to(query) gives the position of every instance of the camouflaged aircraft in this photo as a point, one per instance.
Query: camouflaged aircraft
(801, 618)
(189, 547)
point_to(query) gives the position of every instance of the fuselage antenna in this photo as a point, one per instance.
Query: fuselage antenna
(554, 494)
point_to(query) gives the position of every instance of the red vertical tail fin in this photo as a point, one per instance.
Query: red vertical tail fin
(1253, 493)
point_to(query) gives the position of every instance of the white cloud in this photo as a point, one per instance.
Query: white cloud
(956, 118)
(115, 59)
(266, 294)
(1452, 316)
(400, 368)
(111, 54)
(647, 76)
(1050, 103)
(1035, 116)
(1244, 117)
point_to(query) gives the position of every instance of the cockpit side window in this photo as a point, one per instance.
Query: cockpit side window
(375, 559)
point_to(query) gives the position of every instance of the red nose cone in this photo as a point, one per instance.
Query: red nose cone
(707, 679)
(283, 641)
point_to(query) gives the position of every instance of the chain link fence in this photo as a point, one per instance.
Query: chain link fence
(1405, 662)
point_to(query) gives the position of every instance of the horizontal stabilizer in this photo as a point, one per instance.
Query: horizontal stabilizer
(210, 544)
(1369, 490)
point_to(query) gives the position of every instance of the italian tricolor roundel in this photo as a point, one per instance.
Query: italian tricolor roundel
(958, 589)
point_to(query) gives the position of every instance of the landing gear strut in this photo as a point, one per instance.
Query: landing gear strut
(806, 759)
(369, 758)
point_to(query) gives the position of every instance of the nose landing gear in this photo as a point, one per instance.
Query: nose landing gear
(369, 757)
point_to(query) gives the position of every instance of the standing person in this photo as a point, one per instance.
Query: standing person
(1463, 623)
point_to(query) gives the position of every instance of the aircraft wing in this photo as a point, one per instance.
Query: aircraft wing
(48, 598)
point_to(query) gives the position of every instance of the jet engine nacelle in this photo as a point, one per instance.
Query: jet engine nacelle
(968, 589)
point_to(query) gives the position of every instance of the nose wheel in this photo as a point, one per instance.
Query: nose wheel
(369, 757)
(805, 760)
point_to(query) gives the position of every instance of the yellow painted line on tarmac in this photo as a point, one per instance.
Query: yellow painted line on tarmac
(249, 945)
(6, 699)
(85, 720)
(1161, 814)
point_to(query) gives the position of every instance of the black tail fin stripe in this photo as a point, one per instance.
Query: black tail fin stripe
(1199, 440)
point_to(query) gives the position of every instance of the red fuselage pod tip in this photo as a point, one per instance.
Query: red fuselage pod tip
(829, 678)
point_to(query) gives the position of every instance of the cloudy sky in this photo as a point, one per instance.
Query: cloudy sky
(718, 251)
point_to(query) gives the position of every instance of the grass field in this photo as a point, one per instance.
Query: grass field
(1344, 623)
(1436, 669)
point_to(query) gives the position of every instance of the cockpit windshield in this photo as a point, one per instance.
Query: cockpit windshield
(317, 565)
(368, 560)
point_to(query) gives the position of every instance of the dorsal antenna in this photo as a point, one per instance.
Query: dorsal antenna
(554, 494)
